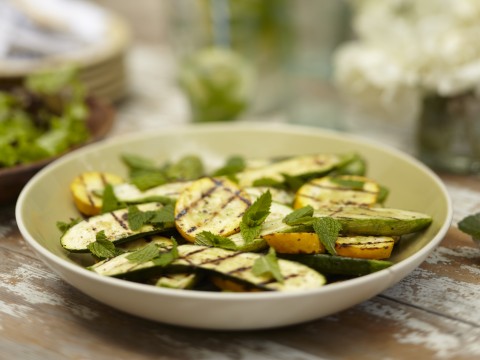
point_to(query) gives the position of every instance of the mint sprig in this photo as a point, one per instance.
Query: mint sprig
(471, 225)
(233, 165)
(206, 238)
(268, 265)
(163, 216)
(64, 226)
(327, 229)
(103, 248)
(299, 216)
(153, 252)
(138, 218)
(255, 216)
(109, 200)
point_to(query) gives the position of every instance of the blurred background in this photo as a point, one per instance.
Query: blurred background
(402, 72)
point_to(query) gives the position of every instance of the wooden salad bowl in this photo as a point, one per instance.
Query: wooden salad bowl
(14, 178)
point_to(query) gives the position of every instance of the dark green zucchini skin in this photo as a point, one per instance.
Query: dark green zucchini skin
(376, 221)
(338, 265)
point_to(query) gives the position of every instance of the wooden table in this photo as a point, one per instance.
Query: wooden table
(434, 313)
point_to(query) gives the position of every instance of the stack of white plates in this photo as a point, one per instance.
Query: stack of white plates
(94, 40)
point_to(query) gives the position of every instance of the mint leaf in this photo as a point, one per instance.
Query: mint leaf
(109, 200)
(257, 213)
(254, 217)
(471, 225)
(249, 233)
(136, 162)
(64, 226)
(327, 230)
(293, 182)
(138, 218)
(147, 179)
(147, 253)
(102, 247)
(299, 216)
(268, 265)
(234, 165)
(206, 238)
(163, 216)
(189, 167)
(382, 194)
(166, 258)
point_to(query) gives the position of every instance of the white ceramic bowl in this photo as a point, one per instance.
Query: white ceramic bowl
(46, 200)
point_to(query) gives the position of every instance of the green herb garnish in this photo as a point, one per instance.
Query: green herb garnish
(103, 248)
(471, 225)
(206, 238)
(327, 229)
(163, 216)
(64, 226)
(268, 265)
(147, 253)
(109, 200)
(166, 258)
(233, 165)
(187, 168)
(299, 216)
(255, 216)
(138, 218)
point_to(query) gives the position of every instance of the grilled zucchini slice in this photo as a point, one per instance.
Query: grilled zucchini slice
(210, 204)
(128, 193)
(376, 221)
(114, 224)
(306, 165)
(232, 265)
(340, 190)
(339, 265)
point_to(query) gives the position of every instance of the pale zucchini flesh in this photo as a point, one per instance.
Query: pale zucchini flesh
(328, 191)
(114, 224)
(215, 205)
(128, 193)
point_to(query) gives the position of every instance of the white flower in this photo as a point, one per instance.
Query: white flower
(409, 47)
(374, 79)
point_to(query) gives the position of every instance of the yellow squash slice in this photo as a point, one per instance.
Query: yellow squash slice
(365, 247)
(87, 188)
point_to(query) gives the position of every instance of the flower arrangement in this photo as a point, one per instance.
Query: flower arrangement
(421, 60)
(406, 49)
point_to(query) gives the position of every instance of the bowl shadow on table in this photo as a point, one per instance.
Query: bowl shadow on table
(13, 179)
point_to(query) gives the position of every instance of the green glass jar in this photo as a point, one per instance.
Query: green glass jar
(232, 56)
(448, 133)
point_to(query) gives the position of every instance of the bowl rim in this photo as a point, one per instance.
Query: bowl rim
(390, 272)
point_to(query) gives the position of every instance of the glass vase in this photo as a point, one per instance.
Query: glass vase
(448, 133)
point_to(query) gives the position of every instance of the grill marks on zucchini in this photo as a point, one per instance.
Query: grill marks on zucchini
(114, 224)
(232, 265)
(210, 204)
(235, 266)
(87, 188)
(342, 190)
(217, 205)
(306, 165)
